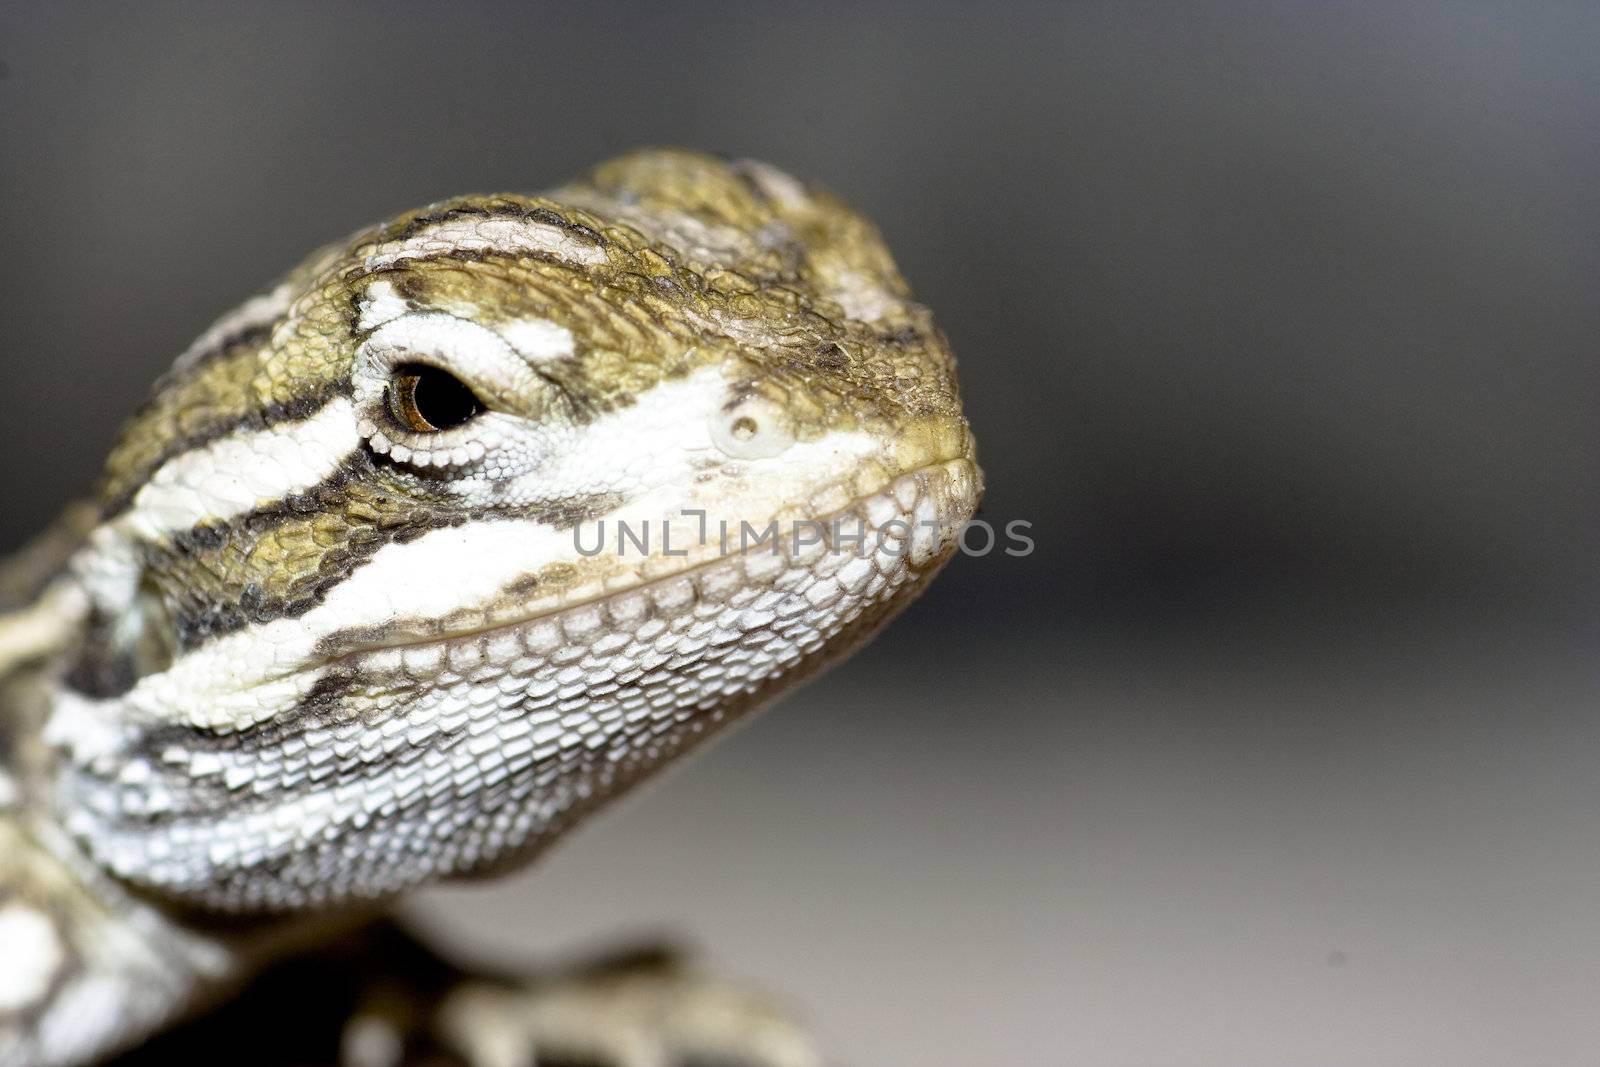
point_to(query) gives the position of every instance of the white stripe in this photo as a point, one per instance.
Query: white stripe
(42, 627)
(488, 235)
(538, 340)
(250, 676)
(863, 299)
(238, 474)
(695, 237)
(784, 188)
(465, 566)
(380, 304)
(31, 947)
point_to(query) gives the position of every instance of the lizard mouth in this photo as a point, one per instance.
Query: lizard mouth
(911, 523)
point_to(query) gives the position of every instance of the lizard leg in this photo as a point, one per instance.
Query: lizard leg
(655, 1014)
(646, 1010)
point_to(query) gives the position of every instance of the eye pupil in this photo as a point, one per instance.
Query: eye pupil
(426, 399)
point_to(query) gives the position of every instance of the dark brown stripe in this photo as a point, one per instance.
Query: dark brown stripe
(281, 560)
(191, 364)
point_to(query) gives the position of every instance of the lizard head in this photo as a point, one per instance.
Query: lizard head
(481, 517)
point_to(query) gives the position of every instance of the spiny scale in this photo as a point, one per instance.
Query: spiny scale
(307, 650)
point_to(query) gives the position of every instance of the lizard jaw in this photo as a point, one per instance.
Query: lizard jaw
(917, 516)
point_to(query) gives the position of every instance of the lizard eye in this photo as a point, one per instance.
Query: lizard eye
(439, 393)
(426, 399)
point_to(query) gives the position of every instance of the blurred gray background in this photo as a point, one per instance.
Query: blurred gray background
(1278, 322)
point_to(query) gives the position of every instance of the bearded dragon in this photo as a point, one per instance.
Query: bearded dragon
(410, 564)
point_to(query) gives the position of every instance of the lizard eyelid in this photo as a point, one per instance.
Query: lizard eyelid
(439, 349)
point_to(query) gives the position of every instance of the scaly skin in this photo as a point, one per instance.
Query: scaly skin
(469, 525)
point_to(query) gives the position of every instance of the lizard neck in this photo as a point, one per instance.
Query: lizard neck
(90, 965)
